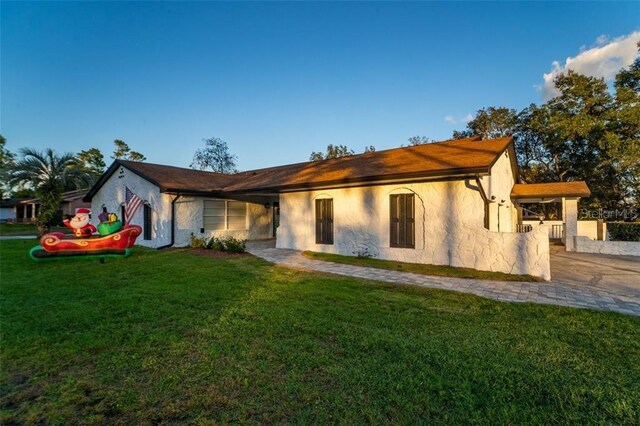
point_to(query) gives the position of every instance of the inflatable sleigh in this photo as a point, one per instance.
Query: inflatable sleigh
(57, 245)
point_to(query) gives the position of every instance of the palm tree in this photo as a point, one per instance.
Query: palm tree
(50, 175)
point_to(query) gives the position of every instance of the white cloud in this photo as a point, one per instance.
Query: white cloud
(602, 61)
(450, 119)
(467, 118)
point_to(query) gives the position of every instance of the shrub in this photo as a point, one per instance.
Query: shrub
(364, 253)
(215, 244)
(234, 245)
(226, 244)
(197, 242)
(623, 231)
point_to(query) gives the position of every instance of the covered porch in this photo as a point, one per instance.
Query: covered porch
(27, 211)
(565, 194)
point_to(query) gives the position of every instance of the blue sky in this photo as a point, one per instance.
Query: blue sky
(277, 80)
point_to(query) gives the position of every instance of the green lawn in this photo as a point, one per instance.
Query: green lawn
(7, 229)
(176, 337)
(419, 268)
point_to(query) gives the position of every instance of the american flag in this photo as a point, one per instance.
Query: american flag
(132, 202)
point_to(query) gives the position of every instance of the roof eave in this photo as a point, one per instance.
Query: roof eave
(370, 180)
(566, 195)
(189, 192)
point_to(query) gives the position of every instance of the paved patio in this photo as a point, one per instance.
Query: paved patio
(608, 283)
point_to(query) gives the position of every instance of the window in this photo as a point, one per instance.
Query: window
(147, 221)
(221, 215)
(324, 221)
(402, 221)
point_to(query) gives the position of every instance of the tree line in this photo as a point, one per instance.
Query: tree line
(587, 132)
(86, 166)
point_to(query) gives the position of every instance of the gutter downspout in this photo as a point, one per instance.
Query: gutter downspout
(483, 194)
(173, 223)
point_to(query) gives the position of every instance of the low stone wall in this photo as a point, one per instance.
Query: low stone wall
(512, 253)
(625, 248)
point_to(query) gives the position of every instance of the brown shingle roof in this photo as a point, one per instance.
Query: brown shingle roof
(436, 159)
(442, 159)
(177, 179)
(68, 196)
(549, 190)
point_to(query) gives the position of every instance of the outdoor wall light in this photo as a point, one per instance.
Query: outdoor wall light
(267, 206)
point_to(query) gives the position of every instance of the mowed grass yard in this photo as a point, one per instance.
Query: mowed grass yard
(13, 229)
(176, 337)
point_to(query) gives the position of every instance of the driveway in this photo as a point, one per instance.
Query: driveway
(614, 274)
(579, 280)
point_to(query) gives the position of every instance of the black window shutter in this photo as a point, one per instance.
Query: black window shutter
(394, 220)
(324, 221)
(328, 221)
(410, 221)
(402, 221)
(147, 222)
(122, 211)
(319, 222)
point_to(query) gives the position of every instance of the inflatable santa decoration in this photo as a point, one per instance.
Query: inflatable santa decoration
(80, 223)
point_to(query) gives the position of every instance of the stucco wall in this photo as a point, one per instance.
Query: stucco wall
(587, 245)
(189, 211)
(449, 228)
(503, 216)
(112, 195)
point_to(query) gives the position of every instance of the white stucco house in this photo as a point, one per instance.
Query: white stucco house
(452, 203)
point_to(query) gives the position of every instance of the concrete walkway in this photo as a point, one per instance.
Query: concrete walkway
(18, 237)
(569, 290)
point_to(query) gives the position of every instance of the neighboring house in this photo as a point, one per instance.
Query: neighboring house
(8, 209)
(451, 203)
(26, 210)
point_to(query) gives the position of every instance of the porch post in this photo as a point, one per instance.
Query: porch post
(33, 212)
(600, 230)
(519, 214)
(570, 214)
(24, 213)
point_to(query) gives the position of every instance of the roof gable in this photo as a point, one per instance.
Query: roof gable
(166, 178)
